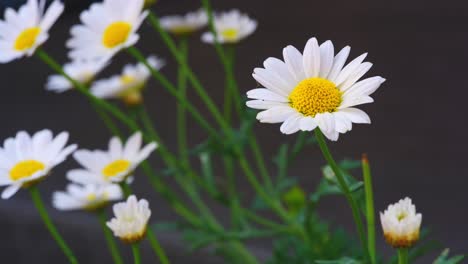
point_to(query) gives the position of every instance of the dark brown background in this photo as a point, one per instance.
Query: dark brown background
(416, 143)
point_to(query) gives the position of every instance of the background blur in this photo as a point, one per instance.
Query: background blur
(416, 143)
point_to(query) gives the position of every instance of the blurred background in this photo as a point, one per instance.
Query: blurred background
(416, 143)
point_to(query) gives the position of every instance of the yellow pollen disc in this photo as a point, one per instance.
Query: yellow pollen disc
(127, 79)
(25, 169)
(116, 34)
(115, 168)
(315, 95)
(27, 38)
(230, 34)
(91, 197)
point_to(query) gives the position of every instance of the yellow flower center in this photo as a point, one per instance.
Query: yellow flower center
(116, 34)
(27, 38)
(25, 169)
(230, 34)
(315, 95)
(91, 197)
(401, 216)
(115, 168)
(127, 79)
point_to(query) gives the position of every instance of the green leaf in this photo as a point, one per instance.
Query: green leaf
(344, 260)
(444, 258)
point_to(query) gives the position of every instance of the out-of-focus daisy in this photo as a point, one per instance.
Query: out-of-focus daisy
(231, 27)
(26, 159)
(23, 31)
(106, 28)
(401, 224)
(113, 165)
(128, 85)
(313, 89)
(87, 197)
(82, 71)
(185, 24)
(131, 219)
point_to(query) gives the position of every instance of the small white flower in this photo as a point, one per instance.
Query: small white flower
(401, 224)
(128, 85)
(231, 27)
(313, 89)
(23, 31)
(83, 71)
(88, 197)
(131, 219)
(26, 159)
(186, 24)
(113, 165)
(106, 28)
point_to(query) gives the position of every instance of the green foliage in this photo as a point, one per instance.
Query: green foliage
(445, 259)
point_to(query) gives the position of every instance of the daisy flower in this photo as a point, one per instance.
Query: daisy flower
(185, 24)
(131, 219)
(106, 28)
(22, 32)
(313, 89)
(113, 165)
(87, 197)
(231, 27)
(82, 71)
(25, 159)
(128, 85)
(401, 224)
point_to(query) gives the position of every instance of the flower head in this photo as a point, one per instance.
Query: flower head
(401, 224)
(26, 159)
(231, 27)
(23, 31)
(313, 89)
(87, 197)
(106, 28)
(82, 71)
(131, 219)
(113, 165)
(185, 24)
(128, 85)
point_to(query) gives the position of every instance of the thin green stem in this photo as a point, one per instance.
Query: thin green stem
(181, 113)
(157, 248)
(114, 250)
(370, 211)
(126, 189)
(36, 197)
(403, 256)
(345, 189)
(136, 253)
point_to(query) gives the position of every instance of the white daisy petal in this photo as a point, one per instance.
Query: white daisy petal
(327, 54)
(307, 123)
(356, 115)
(291, 125)
(271, 82)
(275, 114)
(353, 77)
(349, 69)
(311, 58)
(294, 62)
(231, 27)
(260, 104)
(338, 63)
(10, 191)
(365, 87)
(265, 94)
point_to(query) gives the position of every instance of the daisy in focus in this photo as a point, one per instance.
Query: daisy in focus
(128, 85)
(401, 224)
(112, 166)
(22, 32)
(313, 89)
(231, 27)
(25, 159)
(186, 24)
(82, 71)
(88, 197)
(106, 28)
(131, 219)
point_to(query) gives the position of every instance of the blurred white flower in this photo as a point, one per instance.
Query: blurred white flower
(83, 71)
(131, 219)
(23, 31)
(185, 24)
(313, 89)
(87, 197)
(401, 224)
(231, 27)
(106, 28)
(128, 85)
(26, 159)
(113, 165)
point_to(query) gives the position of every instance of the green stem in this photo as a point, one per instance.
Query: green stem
(403, 256)
(36, 197)
(157, 248)
(114, 250)
(125, 188)
(370, 211)
(181, 114)
(136, 253)
(345, 189)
